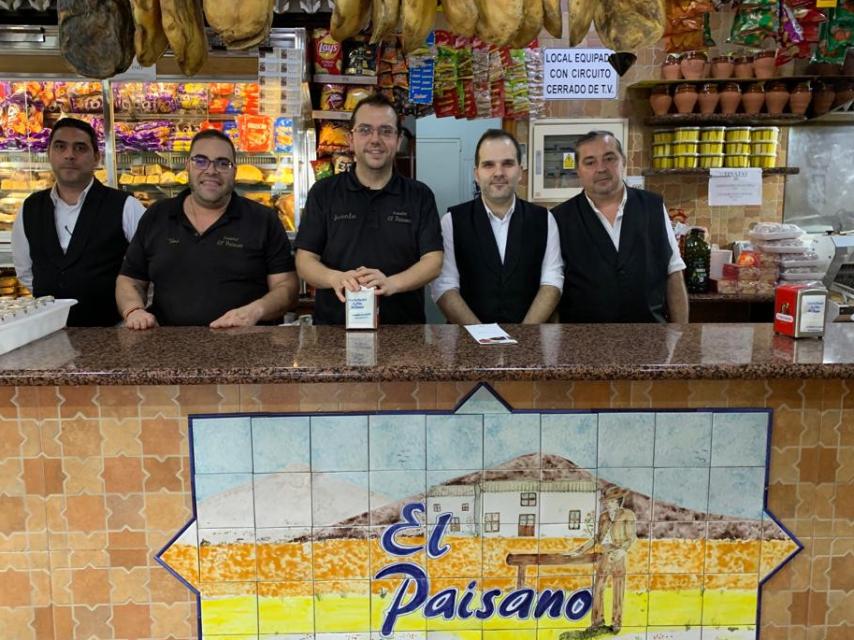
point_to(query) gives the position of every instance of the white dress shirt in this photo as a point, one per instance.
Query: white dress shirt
(551, 272)
(65, 216)
(676, 262)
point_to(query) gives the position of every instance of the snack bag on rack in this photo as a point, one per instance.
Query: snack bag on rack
(354, 95)
(256, 133)
(218, 96)
(192, 97)
(360, 57)
(327, 53)
(182, 136)
(123, 92)
(333, 137)
(755, 21)
(232, 130)
(447, 100)
(246, 98)
(283, 135)
(836, 35)
(332, 97)
(322, 168)
(85, 97)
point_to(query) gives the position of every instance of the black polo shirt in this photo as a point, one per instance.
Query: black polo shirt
(198, 277)
(349, 226)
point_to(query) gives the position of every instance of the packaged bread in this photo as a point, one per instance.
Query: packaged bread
(126, 179)
(248, 174)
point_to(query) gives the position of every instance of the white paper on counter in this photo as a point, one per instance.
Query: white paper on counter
(735, 187)
(489, 334)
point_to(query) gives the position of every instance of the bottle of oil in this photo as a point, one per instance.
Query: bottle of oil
(697, 256)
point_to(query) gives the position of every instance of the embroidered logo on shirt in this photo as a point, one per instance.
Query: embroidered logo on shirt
(399, 216)
(173, 241)
(230, 242)
(337, 217)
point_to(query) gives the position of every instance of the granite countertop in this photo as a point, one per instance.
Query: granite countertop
(196, 355)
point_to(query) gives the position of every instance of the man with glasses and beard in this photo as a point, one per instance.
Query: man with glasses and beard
(370, 227)
(214, 257)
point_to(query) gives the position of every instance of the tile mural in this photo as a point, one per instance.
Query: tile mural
(480, 523)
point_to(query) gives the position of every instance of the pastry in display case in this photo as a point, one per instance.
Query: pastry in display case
(154, 123)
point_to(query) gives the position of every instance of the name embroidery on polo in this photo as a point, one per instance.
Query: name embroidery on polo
(399, 216)
(230, 242)
(337, 217)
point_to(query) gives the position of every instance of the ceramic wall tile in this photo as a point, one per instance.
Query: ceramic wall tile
(454, 442)
(282, 500)
(339, 498)
(626, 439)
(737, 492)
(281, 444)
(740, 439)
(511, 439)
(569, 436)
(392, 490)
(683, 439)
(680, 493)
(222, 445)
(397, 442)
(339, 443)
(224, 500)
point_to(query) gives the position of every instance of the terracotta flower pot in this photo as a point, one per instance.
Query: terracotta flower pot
(800, 99)
(660, 100)
(692, 65)
(708, 98)
(753, 99)
(776, 98)
(722, 67)
(670, 69)
(685, 98)
(764, 64)
(823, 98)
(743, 67)
(730, 98)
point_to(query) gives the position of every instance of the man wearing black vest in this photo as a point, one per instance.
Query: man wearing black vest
(502, 254)
(622, 260)
(69, 241)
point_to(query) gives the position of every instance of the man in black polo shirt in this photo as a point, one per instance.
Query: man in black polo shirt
(370, 227)
(213, 257)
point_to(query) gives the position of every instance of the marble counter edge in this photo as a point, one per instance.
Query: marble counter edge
(266, 375)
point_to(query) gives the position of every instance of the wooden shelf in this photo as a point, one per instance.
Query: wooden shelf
(649, 84)
(734, 120)
(776, 171)
(327, 78)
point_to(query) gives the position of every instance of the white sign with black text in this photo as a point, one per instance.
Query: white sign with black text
(579, 74)
(735, 187)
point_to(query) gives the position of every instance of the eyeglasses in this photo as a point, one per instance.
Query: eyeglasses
(202, 162)
(367, 131)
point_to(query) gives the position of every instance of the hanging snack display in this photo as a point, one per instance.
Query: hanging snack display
(836, 35)
(755, 21)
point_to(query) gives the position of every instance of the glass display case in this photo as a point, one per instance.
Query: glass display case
(28, 110)
(551, 175)
(146, 118)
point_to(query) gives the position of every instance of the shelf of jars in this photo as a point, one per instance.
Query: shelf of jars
(776, 171)
(650, 84)
(724, 119)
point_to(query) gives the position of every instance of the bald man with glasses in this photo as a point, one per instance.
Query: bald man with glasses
(214, 257)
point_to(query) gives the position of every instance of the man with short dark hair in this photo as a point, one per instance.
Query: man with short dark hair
(214, 257)
(502, 254)
(622, 263)
(69, 241)
(370, 227)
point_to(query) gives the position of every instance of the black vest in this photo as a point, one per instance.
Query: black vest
(87, 270)
(498, 292)
(603, 285)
